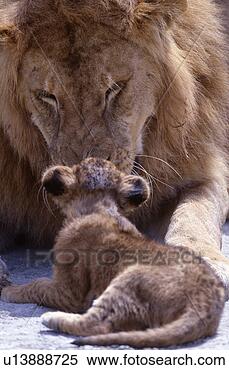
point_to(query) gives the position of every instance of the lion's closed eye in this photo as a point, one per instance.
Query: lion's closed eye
(47, 98)
(114, 91)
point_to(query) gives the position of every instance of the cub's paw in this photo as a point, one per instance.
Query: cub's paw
(58, 320)
(6, 295)
(74, 324)
(222, 271)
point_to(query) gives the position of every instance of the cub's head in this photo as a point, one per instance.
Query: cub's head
(87, 75)
(94, 179)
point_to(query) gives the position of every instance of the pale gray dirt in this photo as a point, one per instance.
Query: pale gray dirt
(20, 325)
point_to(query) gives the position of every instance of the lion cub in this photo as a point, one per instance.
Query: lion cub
(144, 294)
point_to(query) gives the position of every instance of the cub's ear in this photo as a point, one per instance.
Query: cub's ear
(132, 192)
(166, 9)
(58, 180)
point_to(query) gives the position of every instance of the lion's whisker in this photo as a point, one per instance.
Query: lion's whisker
(39, 192)
(141, 168)
(46, 202)
(163, 161)
(150, 179)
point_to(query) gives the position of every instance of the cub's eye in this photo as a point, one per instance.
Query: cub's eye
(48, 98)
(114, 90)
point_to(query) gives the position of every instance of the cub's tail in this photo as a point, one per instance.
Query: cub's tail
(187, 328)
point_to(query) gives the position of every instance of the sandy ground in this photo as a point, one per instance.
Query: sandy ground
(21, 327)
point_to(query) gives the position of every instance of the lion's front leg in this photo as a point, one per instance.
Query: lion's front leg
(197, 223)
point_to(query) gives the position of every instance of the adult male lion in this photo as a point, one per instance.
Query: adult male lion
(125, 80)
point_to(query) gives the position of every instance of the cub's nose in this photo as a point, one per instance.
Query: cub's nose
(54, 184)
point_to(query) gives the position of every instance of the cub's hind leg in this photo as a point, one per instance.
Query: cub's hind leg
(91, 323)
(116, 309)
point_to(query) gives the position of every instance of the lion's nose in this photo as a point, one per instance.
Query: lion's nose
(101, 151)
(54, 184)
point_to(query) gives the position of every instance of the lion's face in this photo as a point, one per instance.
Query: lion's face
(88, 75)
(90, 97)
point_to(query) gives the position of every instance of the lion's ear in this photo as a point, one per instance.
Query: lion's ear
(169, 10)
